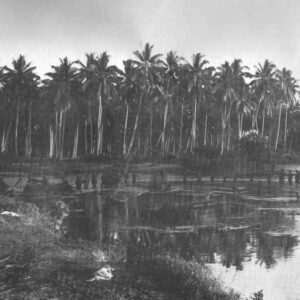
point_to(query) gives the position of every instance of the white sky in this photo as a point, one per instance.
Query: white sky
(253, 30)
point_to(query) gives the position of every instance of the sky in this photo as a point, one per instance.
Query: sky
(252, 30)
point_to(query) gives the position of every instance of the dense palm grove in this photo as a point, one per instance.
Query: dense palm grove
(155, 105)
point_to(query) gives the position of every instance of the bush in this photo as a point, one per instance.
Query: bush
(253, 145)
(186, 279)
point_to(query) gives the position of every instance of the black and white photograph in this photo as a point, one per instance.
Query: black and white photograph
(149, 150)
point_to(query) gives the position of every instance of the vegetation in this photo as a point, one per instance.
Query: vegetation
(36, 263)
(154, 105)
(186, 279)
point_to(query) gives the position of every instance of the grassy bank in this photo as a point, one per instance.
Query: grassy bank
(36, 262)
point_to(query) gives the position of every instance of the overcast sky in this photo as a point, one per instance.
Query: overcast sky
(253, 30)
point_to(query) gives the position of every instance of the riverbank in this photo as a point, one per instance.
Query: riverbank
(38, 263)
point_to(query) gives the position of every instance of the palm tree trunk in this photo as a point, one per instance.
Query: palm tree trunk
(5, 136)
(91, 132)
(278, 129)
(28, 136)
(85, 138)
(135, 127)
(263, 123)
(194, 124)
(180, 131)
(223, 133)
(51, 142)
(229, 135)
(163, 139)
(75, 146)
(125, 129)
(63, 134)
(58, 154)
(100, 125)
(242, 118)
(205, 130)
(151, 125)
(239, 116)
(57, 134)
(285, 128)
(16, 128)
(3, 140)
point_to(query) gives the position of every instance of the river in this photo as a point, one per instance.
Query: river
(247, 233)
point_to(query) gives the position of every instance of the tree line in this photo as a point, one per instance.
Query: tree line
(153, 105)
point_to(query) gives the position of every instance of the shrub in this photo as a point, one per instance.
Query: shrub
(186, 279)
(253, 145)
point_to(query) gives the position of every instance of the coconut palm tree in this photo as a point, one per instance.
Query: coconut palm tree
(242, 101)
(169, 90)
(19, 81)
(101, 81)
(6, 111)
(64, 88)
(197, 81)
(128, 93)
(230, 91)
(264, 84)
(33, 95)
(149, 66)
(288, 88)
(86, 73)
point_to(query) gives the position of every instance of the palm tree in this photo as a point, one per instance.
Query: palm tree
(19, 80)
(64, 87)
(129, 93)
(149, 66)
(89, 90)
(243, 107)
(33, 95)
(264, 88)
(288, 87)
(230, 91)
(208, 102)
(226, 94)
(242, 101)
(169, 90)
(6, 112)
(197, 82)
(101, 81)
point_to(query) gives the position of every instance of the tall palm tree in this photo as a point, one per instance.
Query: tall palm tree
(225, 92)
(6, 111)
(288, 88)
(64, 88)
(19, 80)
(242, 100)
(197, 82)
(86, 73)
(169, 90)
(33, 95)
(129, 93)
(208, 102)
(264, 84)
(101, 81)
(149, 67)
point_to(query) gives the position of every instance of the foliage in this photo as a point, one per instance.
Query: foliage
(186, 279)
(155, 106)
(253, 144)
(258, 296)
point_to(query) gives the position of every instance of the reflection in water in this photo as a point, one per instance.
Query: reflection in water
(255, 227)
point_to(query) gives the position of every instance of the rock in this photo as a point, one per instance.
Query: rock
(10, 213)
(104, 273)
